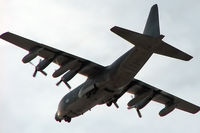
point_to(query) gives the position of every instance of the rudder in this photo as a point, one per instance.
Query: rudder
(152, 27)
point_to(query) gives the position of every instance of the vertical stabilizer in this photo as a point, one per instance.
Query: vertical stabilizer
(152, 25)
(151, 40)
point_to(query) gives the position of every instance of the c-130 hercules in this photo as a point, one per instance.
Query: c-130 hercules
(105, 85)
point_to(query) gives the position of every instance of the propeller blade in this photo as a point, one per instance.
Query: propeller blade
(35, 73)
(67, 85)
(116, 105)
(43, 72)
(58, 83)
(36, 69)
(139, 113)
(32, 64)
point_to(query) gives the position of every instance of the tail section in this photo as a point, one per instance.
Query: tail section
(152, 27)
(151, 40)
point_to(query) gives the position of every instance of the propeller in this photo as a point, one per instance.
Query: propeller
(136, 107)
(116, 105)
(67, 85)
(57, 84)
(139, 113)
(68, 76)
(37, 69)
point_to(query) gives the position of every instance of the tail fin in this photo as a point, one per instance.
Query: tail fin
(151, 40)
(152, 25)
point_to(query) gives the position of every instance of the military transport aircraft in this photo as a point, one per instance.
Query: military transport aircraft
(106, 84)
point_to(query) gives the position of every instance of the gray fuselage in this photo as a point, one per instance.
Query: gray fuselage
(107, 84)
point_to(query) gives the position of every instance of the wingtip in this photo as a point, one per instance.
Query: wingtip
(188, 58)
(112, 29)
(197, 111)
(2, 35)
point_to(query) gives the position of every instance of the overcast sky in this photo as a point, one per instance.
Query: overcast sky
(28, 104)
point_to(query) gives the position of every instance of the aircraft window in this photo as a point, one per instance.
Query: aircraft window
(67, 100)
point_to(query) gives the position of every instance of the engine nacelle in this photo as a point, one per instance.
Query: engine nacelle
(139, 98)
(168, 108)
(69, 75)
(67, 66)
(43, 64)
(143, 99)
(31, 55)
(140, 104)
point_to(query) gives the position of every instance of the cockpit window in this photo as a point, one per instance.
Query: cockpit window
(67, 100)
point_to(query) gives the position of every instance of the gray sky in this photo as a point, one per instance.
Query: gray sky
(82, 28)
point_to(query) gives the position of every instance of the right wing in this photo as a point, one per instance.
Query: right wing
(143, 90)
(61, 58)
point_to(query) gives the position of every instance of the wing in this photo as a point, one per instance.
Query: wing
(144, 90)
(61, 58)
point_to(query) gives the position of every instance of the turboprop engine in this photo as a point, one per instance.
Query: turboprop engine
(42, 65)
(140, 101)
(140, 105)
(67, 66)
(73, 66)
(31, 55)
(68, 76)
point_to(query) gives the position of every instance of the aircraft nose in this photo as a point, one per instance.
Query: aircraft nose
(57, 117)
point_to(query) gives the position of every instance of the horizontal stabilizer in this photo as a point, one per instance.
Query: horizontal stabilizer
(168, 50)
(151, 44)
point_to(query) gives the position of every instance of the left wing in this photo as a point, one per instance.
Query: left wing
(65, 60)
(144, 93)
